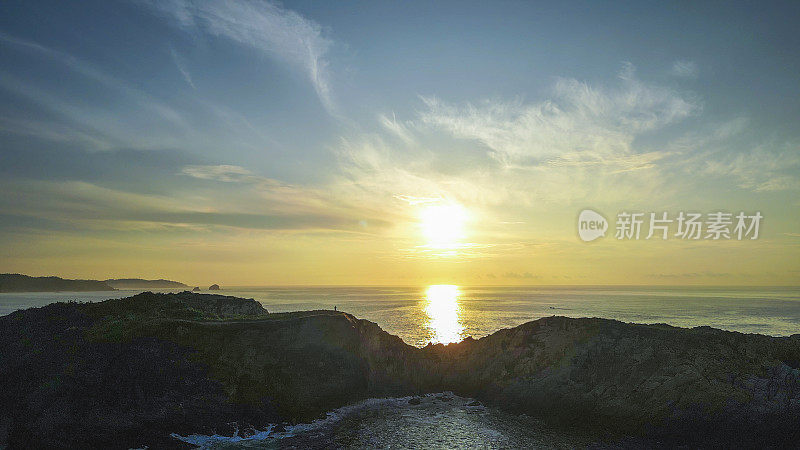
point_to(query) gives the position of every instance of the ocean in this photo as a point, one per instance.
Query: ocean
(448, 313)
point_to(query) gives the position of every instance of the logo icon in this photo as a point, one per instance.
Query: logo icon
(591, 225)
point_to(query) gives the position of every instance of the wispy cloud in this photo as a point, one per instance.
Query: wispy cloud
(575, 145)
(265, 26)
(579, 120)
(624, 163)
(77, 121)
(412, 200)
(525, 275)
(224, 173)
(89, 206)
(761, 169)
(88, 70)
(704, 274)
(398, 129)
(251, 192)
(684, 69)
(728, 152)
(181, 65)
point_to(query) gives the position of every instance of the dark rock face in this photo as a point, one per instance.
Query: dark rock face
(196, 289)
(220, 306)
(214, 287)
(128, 372)
(182, 305)
(63, 386)
(676, 386)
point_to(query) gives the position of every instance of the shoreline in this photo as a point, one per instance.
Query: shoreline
(410, 421)
(404, 312)
(196, 363)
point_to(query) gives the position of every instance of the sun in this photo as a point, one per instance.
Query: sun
(443, 225)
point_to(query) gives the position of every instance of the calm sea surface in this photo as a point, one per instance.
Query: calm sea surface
(446, 313)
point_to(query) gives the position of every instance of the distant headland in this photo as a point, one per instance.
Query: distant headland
(15, 282)
(138, 283)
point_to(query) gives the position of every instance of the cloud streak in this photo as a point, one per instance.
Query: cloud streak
(684, 69)
(579, 122)
(267, 27)
(70, 205)
(398, 129)
(761, 169)
(224, 173)
(181, 65)
(576, 144)
(89, 71)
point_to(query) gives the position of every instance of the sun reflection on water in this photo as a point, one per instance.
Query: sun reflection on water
(444, 313)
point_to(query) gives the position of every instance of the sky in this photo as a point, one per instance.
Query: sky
(397, 143)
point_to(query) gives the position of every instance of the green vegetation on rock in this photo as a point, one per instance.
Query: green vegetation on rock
(133, 370)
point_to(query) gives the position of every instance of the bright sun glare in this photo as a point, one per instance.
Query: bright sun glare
(444, 313)
(443, 225)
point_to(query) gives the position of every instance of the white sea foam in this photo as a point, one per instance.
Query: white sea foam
(207, 441)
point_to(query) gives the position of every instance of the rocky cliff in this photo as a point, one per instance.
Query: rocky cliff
(675, 386)
(125, 373)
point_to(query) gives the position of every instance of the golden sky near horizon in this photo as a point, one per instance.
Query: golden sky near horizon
(252, 143)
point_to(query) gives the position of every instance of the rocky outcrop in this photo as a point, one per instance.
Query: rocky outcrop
(96, 374)
(125, 373)
(214, 287)
(196, 289)
(675, 386)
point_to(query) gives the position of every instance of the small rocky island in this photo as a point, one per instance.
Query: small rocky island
(129, 372)
(214, 287)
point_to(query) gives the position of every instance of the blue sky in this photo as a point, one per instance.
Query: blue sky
(262, 142)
